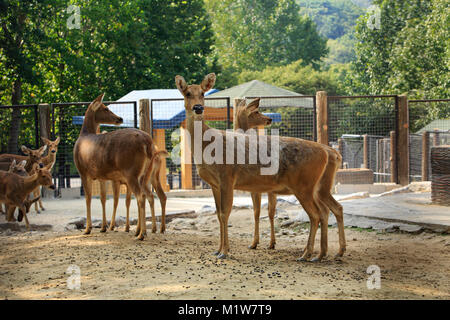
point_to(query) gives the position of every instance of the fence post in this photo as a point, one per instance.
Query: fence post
(366, 151)
(425, 155)
(322, 117)
(436, 138)
(144, 116)
(159, 138)
(186, 158)
(403, 140)
(393, 157)
(341, 150)
(44, 120)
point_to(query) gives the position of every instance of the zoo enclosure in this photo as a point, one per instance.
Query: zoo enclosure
(371, 132)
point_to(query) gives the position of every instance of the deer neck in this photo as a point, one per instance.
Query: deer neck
(241, 123)
(30, 183)
(190, 126)
(90, 126)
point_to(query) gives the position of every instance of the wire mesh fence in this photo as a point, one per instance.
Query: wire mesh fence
(359, 127)
(429, 121)
(24, 119)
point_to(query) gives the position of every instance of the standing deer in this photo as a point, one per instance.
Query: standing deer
(123, 155)
(248, 117)
(14, 190)
(19, 169)
(300, 168)
(48, 161)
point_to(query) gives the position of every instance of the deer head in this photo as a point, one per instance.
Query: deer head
(18, 168)
(51, 145)
(44, 177)
(34, 156)
(250, 115)
(194, 94)
(101, 113)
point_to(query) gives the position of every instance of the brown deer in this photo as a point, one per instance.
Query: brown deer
(248, 117)
(31, 156)
(14, 190)
(48, 161)
(19, 169)
(123, 155)
(156, 183)
(300, 167)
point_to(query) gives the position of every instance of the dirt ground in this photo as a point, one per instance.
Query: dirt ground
(179, 264)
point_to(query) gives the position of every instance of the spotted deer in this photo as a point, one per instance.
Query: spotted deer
(301, 166)
(248, 117)
(123, 155)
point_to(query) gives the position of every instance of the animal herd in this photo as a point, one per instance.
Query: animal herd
(306, 169)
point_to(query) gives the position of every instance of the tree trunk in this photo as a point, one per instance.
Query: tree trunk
(16, 117)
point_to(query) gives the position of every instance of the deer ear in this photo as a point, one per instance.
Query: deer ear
(45, 140)
(57, 140)
(25, 150)
(23, 163)
(13, 163)
(180, 83)
(97, 102)
(42, 149)
(254, 105)
(208, 82)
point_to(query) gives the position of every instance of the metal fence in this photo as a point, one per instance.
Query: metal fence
(426, 132)
(350, 119)
(28, 129)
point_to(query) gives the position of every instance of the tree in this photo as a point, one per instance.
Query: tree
(254, 34)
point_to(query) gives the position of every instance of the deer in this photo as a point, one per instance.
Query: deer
(156, 183)
(301, 166)
(123, 155)
(249, 117)
(31, 156)
(48, 161)
(14, 190)
(19, 169)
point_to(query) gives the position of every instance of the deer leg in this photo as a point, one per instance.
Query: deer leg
(309, 204)
(271, 206)
(151, 201)
(338, 212)
(325, 212)
(23, 209)
(103, 200)
(37, 193)
(226, 204)
(216, 194)
(87, 186)
(141, 206)
(1, 208)
(36, 206)
(162, 199)
(10, 213)
(256, 199)
(127, 203)
(116, 191)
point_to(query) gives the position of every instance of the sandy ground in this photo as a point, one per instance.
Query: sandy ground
(180, 264)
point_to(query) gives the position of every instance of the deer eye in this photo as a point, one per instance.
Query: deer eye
(188, 94)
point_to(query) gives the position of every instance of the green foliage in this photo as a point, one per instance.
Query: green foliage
(301, 79)
(252, 34)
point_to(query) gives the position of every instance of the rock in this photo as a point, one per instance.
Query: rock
(287, 223)
(410, 228)
(79, 223)
(206, 209)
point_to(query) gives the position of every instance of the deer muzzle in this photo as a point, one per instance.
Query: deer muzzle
(198, 109)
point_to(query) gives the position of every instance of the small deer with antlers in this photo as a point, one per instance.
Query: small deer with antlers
(123, 155)
(248, 117)
(301, 165)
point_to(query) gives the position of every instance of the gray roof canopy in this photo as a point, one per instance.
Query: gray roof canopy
(272, 96)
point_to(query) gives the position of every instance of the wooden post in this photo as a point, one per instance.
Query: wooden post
(366, 151)
(186, 158)
(44, 120)
(159, 138)
(425, 156)
(144, 116)
(436, 138)
(393, 157)
(403, 140)
(341, 150)
(322, 117)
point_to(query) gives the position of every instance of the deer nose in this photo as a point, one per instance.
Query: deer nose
(53, 151)
(198, 109)
(52, 187)
(41, 165)
(120, 120)
(269, 121)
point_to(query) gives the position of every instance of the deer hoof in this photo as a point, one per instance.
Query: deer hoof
(272, 246)
(222, 256)
(140, 237)
(216, 253)
(253, 246)
(42, 208)
(87, 231)
(127, 229)
(103, 230)
(37, 212)
(316, 259)
(302, 259)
